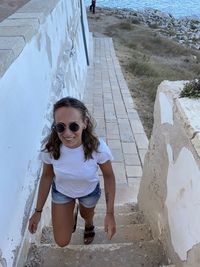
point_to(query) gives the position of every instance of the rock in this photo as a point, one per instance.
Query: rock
(185, 31)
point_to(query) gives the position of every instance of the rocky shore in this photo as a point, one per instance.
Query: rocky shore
(185, 30)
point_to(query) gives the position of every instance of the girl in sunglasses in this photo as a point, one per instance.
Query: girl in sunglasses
(71, 157)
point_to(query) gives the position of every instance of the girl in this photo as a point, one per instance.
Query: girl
(71, 158)
(93, 6)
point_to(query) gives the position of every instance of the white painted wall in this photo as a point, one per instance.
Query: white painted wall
(170, 186)
(52, 65)
(183, 203)
(166, 112)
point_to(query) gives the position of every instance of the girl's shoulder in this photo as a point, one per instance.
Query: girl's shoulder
(103, 153)
(45, 155)
(102, 145)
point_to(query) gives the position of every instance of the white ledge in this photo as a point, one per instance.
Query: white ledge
(188, 109)
(20, 27)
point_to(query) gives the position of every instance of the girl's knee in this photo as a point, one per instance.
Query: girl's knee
(62, 242)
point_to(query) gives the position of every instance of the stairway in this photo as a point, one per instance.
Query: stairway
(109, 100)
(132, 246)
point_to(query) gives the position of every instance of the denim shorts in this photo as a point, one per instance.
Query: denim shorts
(88, 201)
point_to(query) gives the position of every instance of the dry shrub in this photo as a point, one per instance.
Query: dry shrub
(125, 26)
(142, 69)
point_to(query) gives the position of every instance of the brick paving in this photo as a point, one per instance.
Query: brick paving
(110, 102)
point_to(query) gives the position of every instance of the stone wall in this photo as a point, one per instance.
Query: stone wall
(42, 58)
(170, 186)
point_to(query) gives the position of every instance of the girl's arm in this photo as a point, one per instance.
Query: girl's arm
(109, 187)
(44, 187)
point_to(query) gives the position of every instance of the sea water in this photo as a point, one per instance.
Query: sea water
(177, 8)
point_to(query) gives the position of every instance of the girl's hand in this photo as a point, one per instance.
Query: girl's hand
(33, 222)
(110, 225)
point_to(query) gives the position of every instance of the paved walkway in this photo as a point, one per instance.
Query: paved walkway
(109, 100)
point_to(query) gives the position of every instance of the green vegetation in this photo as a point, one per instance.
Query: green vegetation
(154, 26)
(193, 21)
(196, 69)
(125, 26)
(142, 69)
(191, 89)
(135, 21)
(194, 24)
(163, 47)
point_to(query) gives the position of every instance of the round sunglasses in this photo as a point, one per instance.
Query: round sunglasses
(60, 127)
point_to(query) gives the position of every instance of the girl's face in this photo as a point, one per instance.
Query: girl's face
(71, 126)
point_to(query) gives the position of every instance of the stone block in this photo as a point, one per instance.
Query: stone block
(14, 43)
(6, 58)
(21, 15)
(100, 131)
(128, 100)
(134, 171)
(137, 126)
(126, 136)
(37, 6)
(129, 147)
(112, 128)
(122, 115)
(113, 136)
(117, 155)
(121, 218)
(132, 159)
(142, 153)
(125, 234)
(141, 141)
(114, 144)
(134, 183)
(26, 31)
(20, 22)
(125, 130)
(132, 114)
(119, 171)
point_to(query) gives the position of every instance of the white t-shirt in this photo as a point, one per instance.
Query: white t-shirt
(74, 176)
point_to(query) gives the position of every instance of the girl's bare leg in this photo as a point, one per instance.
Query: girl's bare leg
(87, 214)
(63, 222)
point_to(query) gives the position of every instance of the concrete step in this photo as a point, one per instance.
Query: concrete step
(121, 218)
(125, 234)
(124, 194)
(119, 208)
(136, 254)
